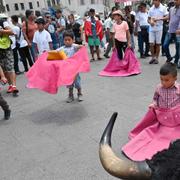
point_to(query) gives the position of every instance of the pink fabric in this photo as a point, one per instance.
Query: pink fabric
(154, 133)
(49, 75)
(126, 67)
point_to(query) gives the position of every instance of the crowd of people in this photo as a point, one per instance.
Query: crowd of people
(26, 41)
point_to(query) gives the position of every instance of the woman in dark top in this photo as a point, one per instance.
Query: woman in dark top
(76, 28)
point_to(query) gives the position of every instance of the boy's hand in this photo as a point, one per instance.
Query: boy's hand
(152, 105)
(3, 80)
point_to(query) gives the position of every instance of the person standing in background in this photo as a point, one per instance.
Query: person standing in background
(156, 15)
(29, 27)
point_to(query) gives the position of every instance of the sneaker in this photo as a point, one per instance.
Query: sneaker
(70, 99)
(169, 60)
(9, 89)
(80, 97)
(156, 61)
(106, 56)
(147, 55)
(142, 56)
(152, 61)
(14, 89)
(7, 114)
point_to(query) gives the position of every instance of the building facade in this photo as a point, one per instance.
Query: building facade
(80, 7)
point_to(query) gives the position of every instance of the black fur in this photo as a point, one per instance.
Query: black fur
(165, 165)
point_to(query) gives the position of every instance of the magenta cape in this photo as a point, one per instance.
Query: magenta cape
(49, 75)
(126, 67)
(154, 133)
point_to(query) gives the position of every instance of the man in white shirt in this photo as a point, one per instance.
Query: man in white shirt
(42, 38)
(156, 15)
(142, 22)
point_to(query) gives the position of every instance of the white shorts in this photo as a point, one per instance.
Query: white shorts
(155, 37)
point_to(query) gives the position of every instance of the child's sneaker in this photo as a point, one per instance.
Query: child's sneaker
(70, 99)
(9, 89)
(80, 97)
(7, 114)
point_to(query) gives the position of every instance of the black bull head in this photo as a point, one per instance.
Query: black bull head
(165, 165)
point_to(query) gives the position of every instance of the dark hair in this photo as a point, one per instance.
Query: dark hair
(58, 11)
(14, 18)
(68, 33)
(143, 4)
(28, 13)
(114, 8)
(92, 10)
(168, 68)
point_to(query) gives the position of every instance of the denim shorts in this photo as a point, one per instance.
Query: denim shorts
(155, 37)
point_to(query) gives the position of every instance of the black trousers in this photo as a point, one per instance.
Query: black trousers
(121, 47)
(3, 103)
(25, 55)
(16, 59)
(145, 39)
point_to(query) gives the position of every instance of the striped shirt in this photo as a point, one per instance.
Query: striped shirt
(167, 97)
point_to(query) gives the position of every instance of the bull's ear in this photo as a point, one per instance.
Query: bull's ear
(120, 167)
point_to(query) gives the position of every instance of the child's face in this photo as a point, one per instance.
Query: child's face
(68, 41)
(168, 81)
(117, 17)
(40, 27)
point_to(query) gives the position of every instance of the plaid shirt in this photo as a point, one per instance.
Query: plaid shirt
(167, 97)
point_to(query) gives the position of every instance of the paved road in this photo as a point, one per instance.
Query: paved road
(48, 139)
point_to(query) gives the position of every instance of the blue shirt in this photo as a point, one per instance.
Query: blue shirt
(174, 22)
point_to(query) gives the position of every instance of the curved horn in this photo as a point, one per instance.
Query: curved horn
(125, 169)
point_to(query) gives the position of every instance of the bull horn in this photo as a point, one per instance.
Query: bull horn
(120, 168)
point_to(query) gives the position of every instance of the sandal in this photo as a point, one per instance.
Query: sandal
(100, 59)
(92, 60)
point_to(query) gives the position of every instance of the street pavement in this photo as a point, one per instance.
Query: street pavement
(48, 139)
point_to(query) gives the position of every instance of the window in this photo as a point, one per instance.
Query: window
(7, 7)
(69, 2)
(92, 1)
(82, 2)
(37, 3)
(16, 8)
(30, 5)
(22, 6)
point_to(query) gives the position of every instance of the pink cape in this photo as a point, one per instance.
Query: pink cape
(154, 133)
(126, 67)
(49, 75)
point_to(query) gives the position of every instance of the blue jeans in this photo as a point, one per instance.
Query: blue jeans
(32, 50)
(169, 37)
(54, 40)
(76, 83)
(61, 39)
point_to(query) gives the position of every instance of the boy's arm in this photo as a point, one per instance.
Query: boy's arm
(155, 100)
(50, 45)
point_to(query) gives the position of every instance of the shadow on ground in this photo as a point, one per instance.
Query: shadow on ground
(65, 116)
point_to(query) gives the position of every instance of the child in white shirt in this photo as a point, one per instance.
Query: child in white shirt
(42, 38)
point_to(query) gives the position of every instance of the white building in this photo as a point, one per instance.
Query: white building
(82, 6)
(20, 6)
(79, 7)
